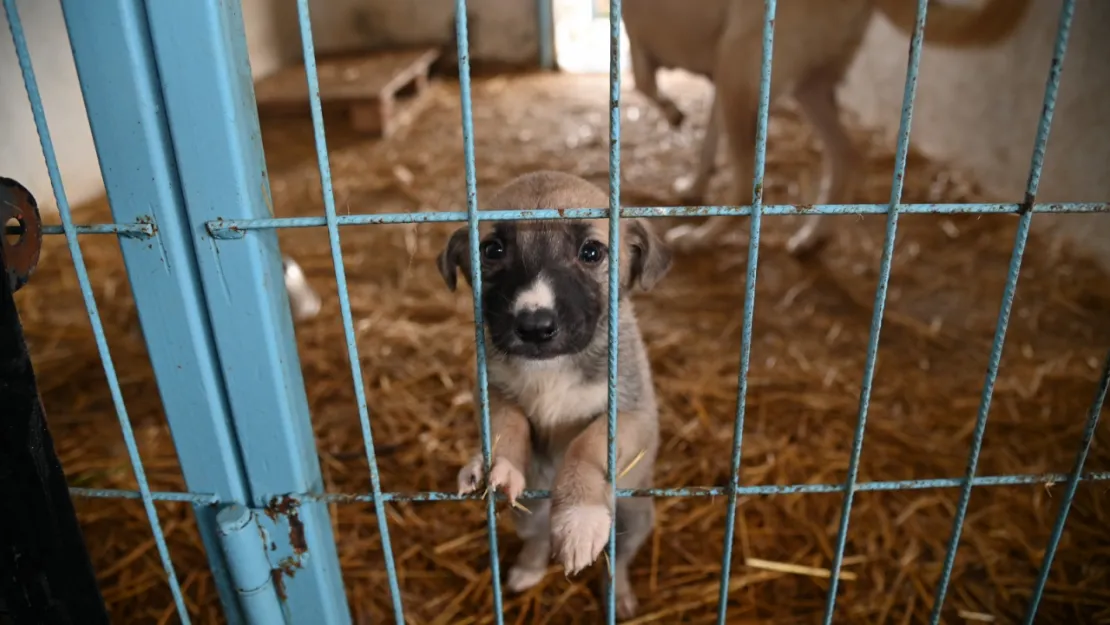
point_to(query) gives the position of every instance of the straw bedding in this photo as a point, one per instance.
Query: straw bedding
(811, 325)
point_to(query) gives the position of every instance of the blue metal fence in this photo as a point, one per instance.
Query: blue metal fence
(170, 100)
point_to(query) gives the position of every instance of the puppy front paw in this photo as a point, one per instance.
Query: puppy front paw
(578, 534)
(471, 475)
(522, 578)
(504, 476)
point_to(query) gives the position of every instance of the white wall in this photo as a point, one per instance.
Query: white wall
(502, 31)
(979, 110)
(21, 158)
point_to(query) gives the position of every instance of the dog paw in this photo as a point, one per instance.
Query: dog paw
(578, 534)
(303, 300)
(503, 476)
(627, 604)
(507, 478)
(523, 578)
(471, 476)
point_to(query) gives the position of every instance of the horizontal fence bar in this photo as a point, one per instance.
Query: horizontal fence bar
(690, 491)
(143, 231)
(232, 228)
(229, 228)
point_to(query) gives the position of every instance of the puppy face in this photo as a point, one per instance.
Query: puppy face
(545, 284)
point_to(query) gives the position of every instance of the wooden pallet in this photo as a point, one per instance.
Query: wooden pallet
(380, 91)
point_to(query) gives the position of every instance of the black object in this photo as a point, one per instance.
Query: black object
(46, 577)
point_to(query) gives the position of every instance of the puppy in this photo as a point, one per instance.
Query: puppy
(545, 290)
(815, 43)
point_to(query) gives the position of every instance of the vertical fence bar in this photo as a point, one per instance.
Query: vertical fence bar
(909, 93)
(115, 65)
(614, 286)
(31, 85)
(1022, 236)
(546, 33)
(472, 218)
(345, 303)
(1069, 492)
(201, 55)
(769, 10)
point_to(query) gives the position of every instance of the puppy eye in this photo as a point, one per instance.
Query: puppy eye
(492, 250)
(591, 252)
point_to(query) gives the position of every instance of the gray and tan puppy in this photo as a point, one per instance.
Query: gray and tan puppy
(545, 288)
(815, 43)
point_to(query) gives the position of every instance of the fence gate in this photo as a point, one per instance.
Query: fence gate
(170, 99)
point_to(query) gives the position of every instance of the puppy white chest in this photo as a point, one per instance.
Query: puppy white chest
(551, 392)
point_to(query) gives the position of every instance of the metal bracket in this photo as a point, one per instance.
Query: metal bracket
(21, 255)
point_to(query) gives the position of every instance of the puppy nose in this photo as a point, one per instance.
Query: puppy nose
(536, 326)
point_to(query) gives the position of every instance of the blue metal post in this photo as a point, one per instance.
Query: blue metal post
(119, 81)
(749, 304)
(901, 153)
(201, 54)
(243, 542)
(30, 83)
(1022, 236)
(476, 292)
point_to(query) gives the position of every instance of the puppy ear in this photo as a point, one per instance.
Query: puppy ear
(453, 257)
(650, 258)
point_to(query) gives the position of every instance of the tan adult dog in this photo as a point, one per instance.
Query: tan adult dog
(545, 291)
(815, 43)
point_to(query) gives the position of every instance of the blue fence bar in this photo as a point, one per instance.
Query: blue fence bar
(688, 491)
(902, 151)
(749, 303)
(345, 302)
(31, 85)
(614, 287)
(1069, 492)
(1051, 88)
(201, 55)
(472, 217)
(237, 228)
(135, 231)
(119, 81)
(546, 34)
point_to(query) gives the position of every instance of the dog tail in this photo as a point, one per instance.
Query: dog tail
(959, 26)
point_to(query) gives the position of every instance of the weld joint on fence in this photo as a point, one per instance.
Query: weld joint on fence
(225, 230)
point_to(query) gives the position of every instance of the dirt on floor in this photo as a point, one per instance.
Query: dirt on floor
(811, 326)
